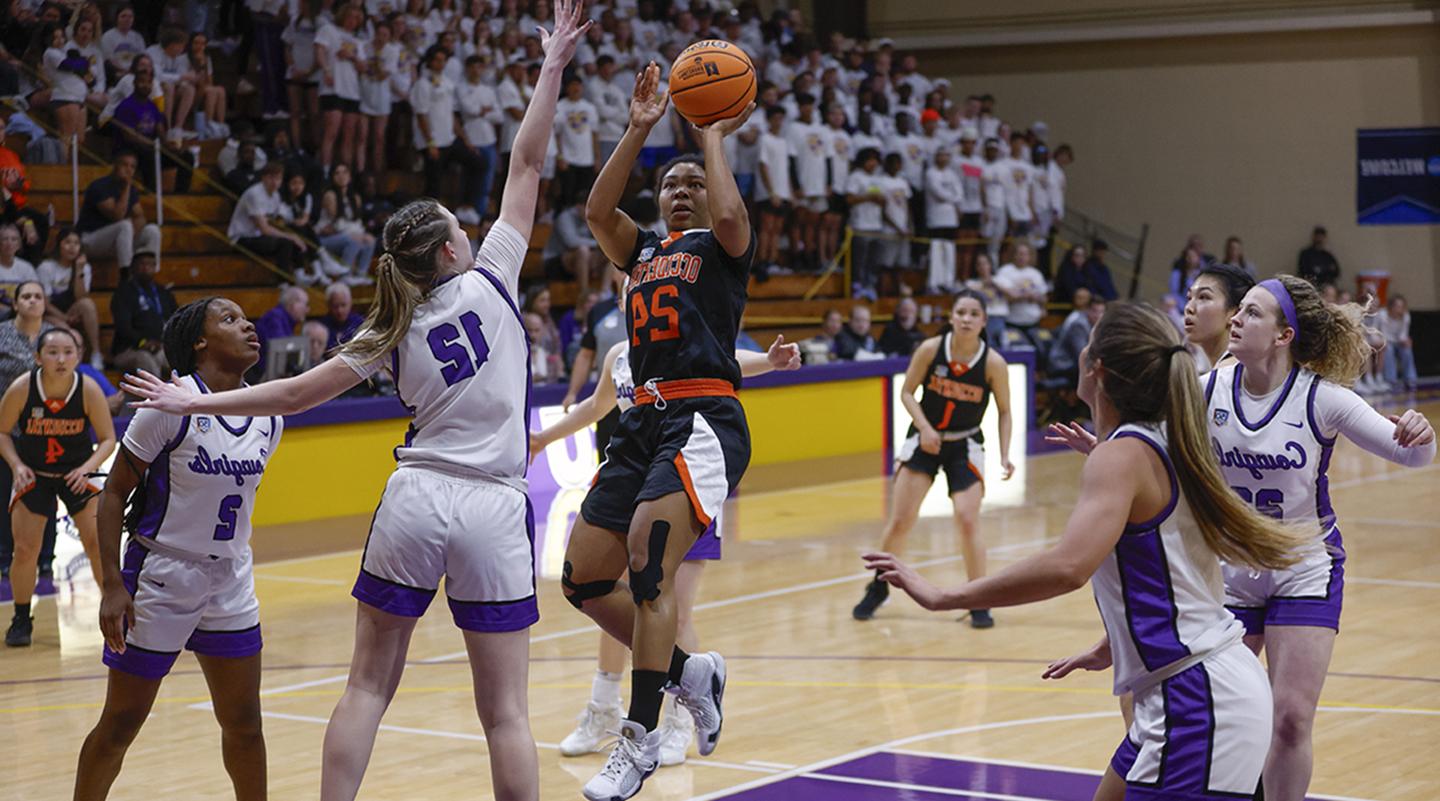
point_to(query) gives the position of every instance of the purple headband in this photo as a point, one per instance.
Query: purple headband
(1287, 306)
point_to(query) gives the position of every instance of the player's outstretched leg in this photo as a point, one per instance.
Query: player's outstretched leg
(910, 488)
(381, 642)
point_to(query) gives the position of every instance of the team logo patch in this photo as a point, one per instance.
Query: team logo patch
(1221, 417)
(203, 424)
(646, 253)
(941, 370)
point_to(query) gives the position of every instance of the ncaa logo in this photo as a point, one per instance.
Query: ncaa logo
(203, 424)
(1221, 417)
(646, 254)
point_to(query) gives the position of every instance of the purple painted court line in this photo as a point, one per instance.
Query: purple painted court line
(805, 788)
(962, 774)
(916, 777)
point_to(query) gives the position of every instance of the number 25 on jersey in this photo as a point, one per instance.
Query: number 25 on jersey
(657, 319)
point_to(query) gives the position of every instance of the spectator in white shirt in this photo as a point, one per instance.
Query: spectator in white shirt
(481, 116)
(577, 142)
(971, 169)
(1061, 159)
(842, 151)
(439, 135)
(302, 74)
(1041, 200)
(1019, 175)
(810, 147)
(14, 270)
(341, 56)
(993, 177)
(1399, 348)
(571, 249)
(898, 192)
(122, 43)
(377, 98)
(1023, 286)
(612, 101)
(253, 225)
(742, 150)
(944, 193)
(513, 94)
(773, 190)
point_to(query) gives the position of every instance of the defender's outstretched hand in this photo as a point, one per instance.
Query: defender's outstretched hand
(170, 398)
(569, 30)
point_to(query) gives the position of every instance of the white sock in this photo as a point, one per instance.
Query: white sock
(605, 689)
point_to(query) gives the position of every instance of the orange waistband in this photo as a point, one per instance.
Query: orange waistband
(683, 388)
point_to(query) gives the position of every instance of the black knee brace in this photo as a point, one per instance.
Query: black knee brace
(645, 583)
(578, 594)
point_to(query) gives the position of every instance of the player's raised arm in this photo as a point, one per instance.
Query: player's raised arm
(614, 231)
(729, 218)
(279, 397)
(522, 183)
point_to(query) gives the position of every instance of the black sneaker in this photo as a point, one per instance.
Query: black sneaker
(980, 619)
(19, 634)
(875, 594)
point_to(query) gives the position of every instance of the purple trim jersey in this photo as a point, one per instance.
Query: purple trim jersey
(1160, 591)
(1274, 455)
(463, 370)
(199, 491)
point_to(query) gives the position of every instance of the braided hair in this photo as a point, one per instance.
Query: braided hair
(182, 331)
(404, 274)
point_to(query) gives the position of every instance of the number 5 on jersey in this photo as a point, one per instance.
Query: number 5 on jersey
(658, 319)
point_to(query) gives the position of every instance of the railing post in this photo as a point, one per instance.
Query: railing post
(74, 179)
(159, 203)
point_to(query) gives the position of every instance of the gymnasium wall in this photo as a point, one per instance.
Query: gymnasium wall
(1251, 134)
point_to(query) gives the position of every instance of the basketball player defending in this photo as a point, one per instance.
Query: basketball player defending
(678, 454)
(449, 329)
(186, 580)
(1274, 417)
(1153, 520)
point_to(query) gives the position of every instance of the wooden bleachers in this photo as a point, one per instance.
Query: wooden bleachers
(198, 260)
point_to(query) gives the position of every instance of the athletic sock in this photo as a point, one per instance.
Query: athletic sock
(646, 691)
(22, 611)
(677, 665)
(605, 689)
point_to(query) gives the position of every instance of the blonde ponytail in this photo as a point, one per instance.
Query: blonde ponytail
(404, 274)
(1331, 339)
(1149, 377)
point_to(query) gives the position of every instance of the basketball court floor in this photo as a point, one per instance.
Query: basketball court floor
(911, 705)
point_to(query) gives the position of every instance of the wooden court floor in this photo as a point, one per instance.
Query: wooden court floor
(910, 705)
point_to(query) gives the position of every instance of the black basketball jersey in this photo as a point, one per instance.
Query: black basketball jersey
(54, 435)
(955, 394)
(683, 306)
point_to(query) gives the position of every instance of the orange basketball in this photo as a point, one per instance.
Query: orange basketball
(712, 80)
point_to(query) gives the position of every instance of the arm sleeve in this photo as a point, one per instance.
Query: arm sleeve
(363, 369)
(150, 432)
(503, 254)
(1338, 410)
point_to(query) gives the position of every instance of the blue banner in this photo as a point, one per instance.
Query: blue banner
(1397, 176)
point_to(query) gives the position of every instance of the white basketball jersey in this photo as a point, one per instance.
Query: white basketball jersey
(1160, 591)
(463, 370)
(1277, 462)
(624, 382)
(199, 492)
